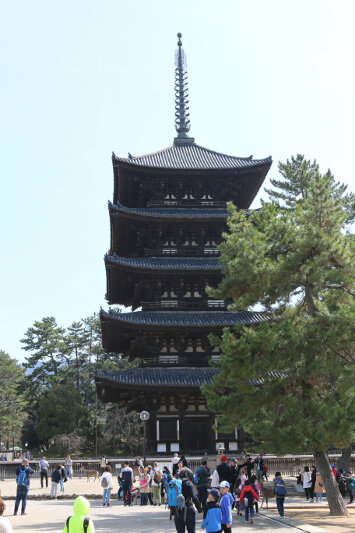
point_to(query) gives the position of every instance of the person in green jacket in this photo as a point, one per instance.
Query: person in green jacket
(77, 523)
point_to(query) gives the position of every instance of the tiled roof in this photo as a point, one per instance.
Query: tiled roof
(178, 377)
(171, 212)
(154, 263)
(191, 156)
(198, 319)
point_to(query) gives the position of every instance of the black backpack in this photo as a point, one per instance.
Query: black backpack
(85, 523)
(248, 499)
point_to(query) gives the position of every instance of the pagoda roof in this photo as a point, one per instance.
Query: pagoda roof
(182, 377)
(162, 263)
(161, 377)
(190, 156)
(170, 212)
(181, 319)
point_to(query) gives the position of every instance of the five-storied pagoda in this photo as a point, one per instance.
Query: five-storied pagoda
(167, 218)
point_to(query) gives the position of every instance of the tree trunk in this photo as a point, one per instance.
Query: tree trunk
(344, 461)
(335, 500)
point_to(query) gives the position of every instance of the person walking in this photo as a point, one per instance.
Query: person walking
(68, 467)
(185, 518)
(107, 485)
(202, 475)
(247, 496)
(156, 484)
(43, 470)
(23, 485)
(280, 493)
(319, 487)
(5, 525)
(226, 507)
(306, 482)
(79, 522)
(212, 515)
(255, 485)
(127, 483)
(56, 477)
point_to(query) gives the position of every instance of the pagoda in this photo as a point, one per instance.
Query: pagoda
(167, 217)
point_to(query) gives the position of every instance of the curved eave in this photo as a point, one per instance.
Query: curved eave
(189, 157)
(159, 378)
(160, 265)
(158, 320)
(173, 214)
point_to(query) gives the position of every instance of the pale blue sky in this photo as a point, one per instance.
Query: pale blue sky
(83, 78)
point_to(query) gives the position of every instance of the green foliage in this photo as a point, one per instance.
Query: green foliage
(60, 386)
(12, 400)
(60, 411)
(295, 263)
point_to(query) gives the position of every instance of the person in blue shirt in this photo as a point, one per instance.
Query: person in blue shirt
(226, 507)
(212, 515)
(23, 484)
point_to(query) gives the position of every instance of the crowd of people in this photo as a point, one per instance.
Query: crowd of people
(311, 481)
(232, 485)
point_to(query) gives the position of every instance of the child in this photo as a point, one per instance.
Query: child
(248, 495)
(107, 485)
(255, 486)
(280, 493)
(212, 515)
(226, 507)
(79, 521)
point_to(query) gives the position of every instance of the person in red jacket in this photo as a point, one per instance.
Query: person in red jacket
(334, 470)
(247, 496)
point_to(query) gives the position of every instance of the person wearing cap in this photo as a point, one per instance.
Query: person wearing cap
(334, 470)
(234, 469)
(226, 507)
(212, 516)
(185, 518)
(224, 470)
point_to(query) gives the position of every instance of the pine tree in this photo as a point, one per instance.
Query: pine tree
(289, 381)
(45, 341)
(12, 400)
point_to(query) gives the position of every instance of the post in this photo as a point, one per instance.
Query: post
(144, 442)
(96, 427)
(144, 416)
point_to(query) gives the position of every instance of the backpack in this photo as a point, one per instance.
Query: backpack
(21, 479)
(280, 488)
(176, 500)
(85, 523)
(248, 499)
(157, 477)
(104, 482)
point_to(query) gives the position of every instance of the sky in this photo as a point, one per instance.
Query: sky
(81, 79)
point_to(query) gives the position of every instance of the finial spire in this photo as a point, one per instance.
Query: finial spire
(182, 121)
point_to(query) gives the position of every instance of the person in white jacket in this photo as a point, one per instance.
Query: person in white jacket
(107, 485)
(5, 525)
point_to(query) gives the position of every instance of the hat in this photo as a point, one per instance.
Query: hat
(223, 458)
(333, 466)
(233, 460)
(224, 484)
(215, 493)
